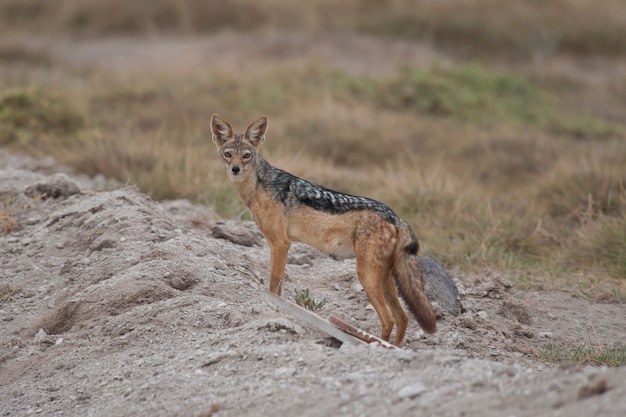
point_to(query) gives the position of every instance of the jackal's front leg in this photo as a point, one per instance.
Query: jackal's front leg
(278, 252)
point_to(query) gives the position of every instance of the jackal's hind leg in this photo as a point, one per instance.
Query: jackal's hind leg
(399, 315)
(372, 267)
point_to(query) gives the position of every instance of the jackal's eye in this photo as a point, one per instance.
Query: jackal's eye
(247, 155)
(227, 154)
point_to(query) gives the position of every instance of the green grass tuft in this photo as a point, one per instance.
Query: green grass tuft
(587, 354)
(469, 93)
(473, 94)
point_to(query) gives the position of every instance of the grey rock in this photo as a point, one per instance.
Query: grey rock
(439, 286)
(55, 186)
(238, 233)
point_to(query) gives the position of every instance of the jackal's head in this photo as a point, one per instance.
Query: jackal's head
(239, 152)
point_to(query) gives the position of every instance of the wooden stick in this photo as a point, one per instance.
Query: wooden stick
(361, 334)
(313, 319)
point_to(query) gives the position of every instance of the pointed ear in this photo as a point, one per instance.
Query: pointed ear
(255, 133)
(221, 129)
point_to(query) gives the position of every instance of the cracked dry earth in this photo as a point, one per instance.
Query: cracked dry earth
(116, 305)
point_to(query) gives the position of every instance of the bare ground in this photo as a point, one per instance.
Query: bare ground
(118, 305)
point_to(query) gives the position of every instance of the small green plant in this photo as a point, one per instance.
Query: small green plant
(586, 354)
(303, 299)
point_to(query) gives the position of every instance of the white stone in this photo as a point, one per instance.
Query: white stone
(412, 391)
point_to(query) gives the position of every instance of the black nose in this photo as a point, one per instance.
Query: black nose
(235, 169)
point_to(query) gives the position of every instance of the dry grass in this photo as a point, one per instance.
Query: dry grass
(492, 169)
(528, 29)
(6, 292)
(8, 218)
(525, 29)
(500, 193)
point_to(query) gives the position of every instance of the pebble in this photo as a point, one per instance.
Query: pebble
(284, 371)
(412, 391)
(33, 220)
(483, 314)
(40, 336)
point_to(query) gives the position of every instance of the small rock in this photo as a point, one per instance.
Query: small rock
(41, 336)
(55, 186)
(237, 234)
(178, 283)
(483, 314)
(545, 335)
(284, 371)
(412, 391)
(33, 220)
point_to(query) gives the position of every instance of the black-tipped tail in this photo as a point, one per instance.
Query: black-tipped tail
(407, 273)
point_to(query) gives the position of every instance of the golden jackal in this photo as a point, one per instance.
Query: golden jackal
(287, 208)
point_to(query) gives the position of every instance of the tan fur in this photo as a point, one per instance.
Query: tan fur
(379, 246)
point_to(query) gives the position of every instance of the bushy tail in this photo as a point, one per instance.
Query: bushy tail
(407, 273)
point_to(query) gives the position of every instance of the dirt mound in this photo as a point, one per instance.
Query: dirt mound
(113, 304)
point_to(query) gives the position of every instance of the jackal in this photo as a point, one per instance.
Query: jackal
(287, 208)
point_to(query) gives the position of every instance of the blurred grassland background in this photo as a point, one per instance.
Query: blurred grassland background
(505, 150)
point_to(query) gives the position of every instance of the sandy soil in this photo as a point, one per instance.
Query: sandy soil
(118, 305)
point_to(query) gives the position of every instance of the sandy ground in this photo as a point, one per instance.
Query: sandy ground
(121, 306)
